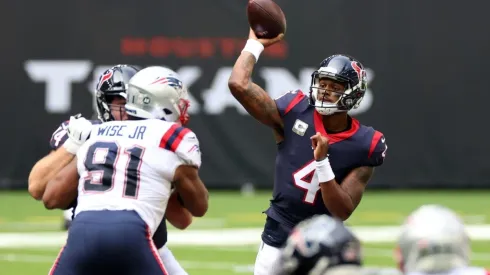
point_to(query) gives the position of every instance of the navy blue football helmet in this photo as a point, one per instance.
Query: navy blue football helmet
(342, 69)
(321, 245)
(112, 83)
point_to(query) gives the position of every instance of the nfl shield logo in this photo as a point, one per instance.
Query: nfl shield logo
(300, 127)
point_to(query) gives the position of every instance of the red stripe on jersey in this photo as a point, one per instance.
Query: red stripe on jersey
(178, 139)
(294, 102)
(167, 135)
(376, 137)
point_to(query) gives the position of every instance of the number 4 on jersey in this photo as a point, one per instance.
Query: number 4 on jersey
(59, 134)
(305, 179)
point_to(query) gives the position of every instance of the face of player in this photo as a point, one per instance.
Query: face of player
(329, 90)
(117, 108)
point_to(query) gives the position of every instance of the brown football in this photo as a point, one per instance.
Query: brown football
(266, 18)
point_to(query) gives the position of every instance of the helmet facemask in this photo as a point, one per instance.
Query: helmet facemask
(433, 239)
(349, 99)
(112, 85)
(105, 107)
(183, 106)
(180, 107)
(432, 256)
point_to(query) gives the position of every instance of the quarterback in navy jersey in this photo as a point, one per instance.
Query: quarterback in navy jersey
(110, 100)
(325, 158)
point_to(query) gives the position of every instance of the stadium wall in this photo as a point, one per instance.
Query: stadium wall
(427, 78)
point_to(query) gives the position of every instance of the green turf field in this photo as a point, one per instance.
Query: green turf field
(22, 215)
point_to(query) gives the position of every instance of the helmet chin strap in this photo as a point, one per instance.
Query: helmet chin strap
(323, 107)
(328, 110)
(106, 115)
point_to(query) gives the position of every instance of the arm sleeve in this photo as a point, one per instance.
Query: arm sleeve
(189, 151)
(377, 150)
(59, 136)
(184, 143)
(286, 102)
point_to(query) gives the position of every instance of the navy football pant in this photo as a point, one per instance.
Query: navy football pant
(108, 242)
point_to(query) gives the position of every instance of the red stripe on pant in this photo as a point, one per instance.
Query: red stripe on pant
(53, 268)
(154, 250)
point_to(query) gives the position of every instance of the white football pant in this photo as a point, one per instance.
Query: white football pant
(171, 265)
(266, 259)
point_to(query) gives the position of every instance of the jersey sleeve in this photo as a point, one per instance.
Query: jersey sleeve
(286, 102)
(184, 143)
(59, 136)
(377, 149)
(189, 151)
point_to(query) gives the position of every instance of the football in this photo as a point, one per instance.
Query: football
(266, 18)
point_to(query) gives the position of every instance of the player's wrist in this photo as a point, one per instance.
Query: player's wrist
(71, 146)
(324, 170)
(254, 47)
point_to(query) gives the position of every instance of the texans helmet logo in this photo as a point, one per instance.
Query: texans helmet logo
(357, 68)
(361, 74)
(106, 76)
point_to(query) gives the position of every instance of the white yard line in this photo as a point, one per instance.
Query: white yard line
(234, 267)
(222, 237)
(33, 258)
(231, 240)
(26, 258)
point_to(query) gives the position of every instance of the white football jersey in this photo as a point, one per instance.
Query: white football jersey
(129, 165)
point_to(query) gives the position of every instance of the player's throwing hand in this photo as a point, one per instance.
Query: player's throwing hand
(319, 143)
(265, 41)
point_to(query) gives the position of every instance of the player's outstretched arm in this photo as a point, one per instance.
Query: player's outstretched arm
(255, 100)
(191, 189)
(66, 140)
(62, 190)
(46, 169)
(341, 200)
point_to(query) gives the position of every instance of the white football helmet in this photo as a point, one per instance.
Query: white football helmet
(433, 239)
(157, 92)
